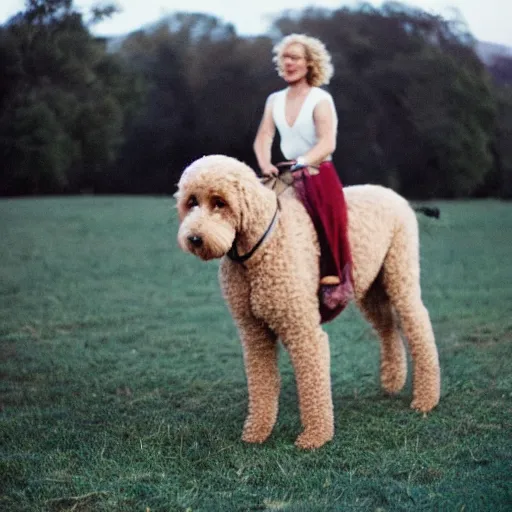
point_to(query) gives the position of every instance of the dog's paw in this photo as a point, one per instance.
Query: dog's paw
(392, 382)
(254, 437)
(426, 391)
(311, 439)
(425, 403)
(256, 433)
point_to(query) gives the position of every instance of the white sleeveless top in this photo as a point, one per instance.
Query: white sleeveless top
(298, 139)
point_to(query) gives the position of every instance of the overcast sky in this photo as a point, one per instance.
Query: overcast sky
(488, 20)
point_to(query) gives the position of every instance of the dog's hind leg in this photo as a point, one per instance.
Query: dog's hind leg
(401, 278)
(377, 308)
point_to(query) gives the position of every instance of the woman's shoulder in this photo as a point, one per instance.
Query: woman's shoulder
(276, 94)
(321, 94)
(275, 98)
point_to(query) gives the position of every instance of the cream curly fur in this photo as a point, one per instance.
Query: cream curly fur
(273, 295)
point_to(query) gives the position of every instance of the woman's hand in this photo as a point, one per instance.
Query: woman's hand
(271, 170)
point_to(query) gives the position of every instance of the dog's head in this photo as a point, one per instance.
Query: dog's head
(212, 202)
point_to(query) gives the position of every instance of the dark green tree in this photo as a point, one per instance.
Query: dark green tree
(414, 101)
(206, 92)
(64, 101)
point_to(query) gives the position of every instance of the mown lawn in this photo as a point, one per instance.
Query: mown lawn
(122, 382)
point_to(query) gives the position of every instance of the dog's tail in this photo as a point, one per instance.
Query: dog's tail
(428, 211)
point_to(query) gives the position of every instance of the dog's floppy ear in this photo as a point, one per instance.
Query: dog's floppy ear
(245, 194)
(179, 204)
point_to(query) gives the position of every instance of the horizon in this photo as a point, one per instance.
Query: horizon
(488, 24)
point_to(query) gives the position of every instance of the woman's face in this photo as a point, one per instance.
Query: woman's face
(294, 63)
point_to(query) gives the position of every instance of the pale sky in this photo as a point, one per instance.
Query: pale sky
(488, 20)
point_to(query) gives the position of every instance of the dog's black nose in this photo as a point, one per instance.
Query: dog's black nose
(195, 240)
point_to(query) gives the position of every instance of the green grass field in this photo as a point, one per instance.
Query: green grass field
(123, 389)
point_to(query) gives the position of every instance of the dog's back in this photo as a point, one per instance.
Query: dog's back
(375, 215)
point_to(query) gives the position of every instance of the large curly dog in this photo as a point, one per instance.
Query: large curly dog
(269, 275)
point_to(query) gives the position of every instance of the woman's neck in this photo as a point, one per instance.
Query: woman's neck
(299, 88)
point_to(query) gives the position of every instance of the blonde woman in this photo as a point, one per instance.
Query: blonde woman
(306, 118)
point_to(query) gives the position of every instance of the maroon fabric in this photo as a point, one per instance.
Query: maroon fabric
(323, 198)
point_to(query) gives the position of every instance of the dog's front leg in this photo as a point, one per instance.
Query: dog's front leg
(309, 354)
(260, 355)
(260, 358)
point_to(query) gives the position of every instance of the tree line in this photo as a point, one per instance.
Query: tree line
(418, 110)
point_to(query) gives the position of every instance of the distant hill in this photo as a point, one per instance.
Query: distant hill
(485, 50)
(489, 51)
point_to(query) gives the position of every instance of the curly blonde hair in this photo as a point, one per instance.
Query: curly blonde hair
(317, 56)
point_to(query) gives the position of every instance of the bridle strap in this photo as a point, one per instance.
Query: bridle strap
(233, 252)
(293, 166)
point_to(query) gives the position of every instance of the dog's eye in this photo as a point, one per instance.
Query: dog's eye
(192, 201)
(219, 203)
